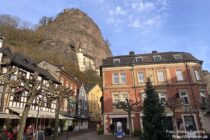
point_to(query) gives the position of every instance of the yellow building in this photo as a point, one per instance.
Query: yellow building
(94, 93)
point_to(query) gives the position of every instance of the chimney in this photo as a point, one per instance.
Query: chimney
(1, 41)
(131, 53)
(154, 51)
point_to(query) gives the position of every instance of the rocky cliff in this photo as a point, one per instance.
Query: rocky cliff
(71, 30)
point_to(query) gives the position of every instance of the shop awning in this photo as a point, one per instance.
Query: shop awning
(42, 114)
(8, 116)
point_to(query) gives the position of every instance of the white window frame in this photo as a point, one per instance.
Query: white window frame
(139, 78)
(179, 74)
(115, 75)
(161, 79)
(120, 95)
(67, 84)
(113, 97)
(181, 96)
(120, 78)
(202, 94)
(162, 95)
(62, 81)
(143, 96)
(197, 75)
(192, 115)
(116, 61)
(178, 56)
(139, 59)
(157, 56)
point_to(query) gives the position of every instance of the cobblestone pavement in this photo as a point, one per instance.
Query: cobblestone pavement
(88, 135)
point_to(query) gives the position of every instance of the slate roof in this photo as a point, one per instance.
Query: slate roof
(27, 63)
(167, 57)
(88, 87)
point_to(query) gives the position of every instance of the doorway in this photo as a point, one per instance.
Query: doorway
(122, 120)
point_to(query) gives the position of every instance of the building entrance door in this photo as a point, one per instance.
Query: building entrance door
(190, 124)
(122, 120)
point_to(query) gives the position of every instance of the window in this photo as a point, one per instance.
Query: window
(178, 56)
(119, 78)
(116, 61)
(93, 97)
(162, 97)
(17, 97)
(161, 77)
(67, 84)
(122, 96)
(116, 98)
(62, 81)
(21, 73)
(157, 58)
(75, 91)
(115, 78)
(18, 93)
(122, 78)
(13, 77)
(190, 124)
(179, 75)
(49, 102)
(139, 59)
(143, 96)
(184, 97)
(197, 75)
(141, 77)
(203, 97)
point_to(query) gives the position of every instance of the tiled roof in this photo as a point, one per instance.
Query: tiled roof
(166, 57)
(27, 63)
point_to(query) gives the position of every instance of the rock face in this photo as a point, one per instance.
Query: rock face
(71, 30)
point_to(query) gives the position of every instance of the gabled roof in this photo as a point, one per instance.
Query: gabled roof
(27, 63)
(166, 57)
(59, 68)
(88, 87)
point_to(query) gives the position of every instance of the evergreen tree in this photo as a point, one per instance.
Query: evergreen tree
(153, 115)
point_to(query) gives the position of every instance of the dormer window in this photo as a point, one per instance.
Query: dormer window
(25, 61)
(116, 61)
(178, 56)
(157, 58)
(139, 59)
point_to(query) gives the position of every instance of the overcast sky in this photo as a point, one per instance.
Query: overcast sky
(134, 25)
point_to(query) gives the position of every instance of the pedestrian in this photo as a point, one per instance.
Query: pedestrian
(59, 130)
(29, 132)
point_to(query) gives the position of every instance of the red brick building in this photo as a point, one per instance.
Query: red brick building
(68, 108)
(172, 73)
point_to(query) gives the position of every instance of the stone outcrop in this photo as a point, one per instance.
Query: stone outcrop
(72, 30)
